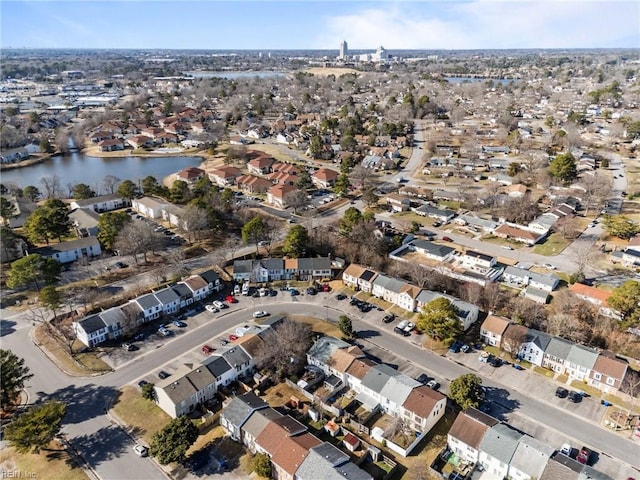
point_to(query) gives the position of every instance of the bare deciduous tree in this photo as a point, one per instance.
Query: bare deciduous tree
(109, 182)
(284, 348)
(513, 338)
(52, 187)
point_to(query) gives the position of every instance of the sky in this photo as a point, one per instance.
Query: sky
(280, 25)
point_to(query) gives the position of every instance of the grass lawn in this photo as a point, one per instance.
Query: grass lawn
(279, 394)
(435, 346)
(578, 385)
(553, 245)
(140, 414)
(543, 371)
(319, 326)
(86, 363)
(54, 463)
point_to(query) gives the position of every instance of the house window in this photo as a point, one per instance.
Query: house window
(597, 376)
(611, 381)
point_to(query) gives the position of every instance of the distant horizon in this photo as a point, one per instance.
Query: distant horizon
(264, 25)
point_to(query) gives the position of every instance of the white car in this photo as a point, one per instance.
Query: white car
(211, 308)
(140, 450)
(260, 314)
(219, 305)
(507, 247)
(549, 266)
(565, 449)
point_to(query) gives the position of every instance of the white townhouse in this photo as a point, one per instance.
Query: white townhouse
(492, 330)
(497, 448)
(556, 354)
(533, 346)
(102, 203)
(522, 277)
(150, 305)
(408, 298)
(149, 207)
(580, 362)
(91, 330)
(213, 280)
(466, 433)
(169, 299)
(117, 322)
(198, 287)
(388, 288)
(65, 252)
(184, 293)
(351, 274)
(472, 259)
(530, 459)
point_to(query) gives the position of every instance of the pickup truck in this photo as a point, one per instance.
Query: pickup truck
(584, 456)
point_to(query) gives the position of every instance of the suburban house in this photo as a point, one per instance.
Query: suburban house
(191, 174)
(496, 449)
(224, 176)
(85, 222)
(329, 463)
(433, 251)
(596, 297)
(398, 203)
(522, 277)
(169, 299)
(387, 288)
(213, 280)
(466, 433)
(260, 165)
(324, 178)
(467, 312)
(198, 287)
(472, 259)
(440, 214)
(492, 330)
(150, 305)
(91, 330)
(277, 194)
(149, 207)
(237, 412)
(111, 145)
(253, 184)
(81, 249)
(607, 373)
(518, 233)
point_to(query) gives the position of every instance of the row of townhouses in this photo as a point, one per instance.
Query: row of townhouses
(477, 441)
(378, 388)
(402, 293)
(294, 452)
(114, 322)
(601, 370)
(275, 269)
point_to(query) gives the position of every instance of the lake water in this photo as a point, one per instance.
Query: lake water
(80, 168)
(232, 75)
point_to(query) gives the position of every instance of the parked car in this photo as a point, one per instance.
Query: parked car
(549, 266)
(260, 314)
(447, 239)
(224, 342)
(566, 449)
(140, 450)
(233, 338)
(164, 332)
(311, 291)
(340, 296)
(142, 383)
(432, 384)
(162, 374)
(121, 265)
(507, 247)
(455, 346)
(423, 378)
(465, 348)
(389, 318)
(207, 350)
(211, 308)
(518, 367)
(495, 362)
(561, 392)
(575, 397)
(485, 357)
(231, 299)
(272, 292)
(294, 292)
(219, 305)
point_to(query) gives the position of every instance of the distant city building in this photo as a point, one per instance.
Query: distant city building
(344, 48)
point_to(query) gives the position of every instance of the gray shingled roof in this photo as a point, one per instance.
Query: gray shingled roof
(216, 365)
(83, 202)
(236, 356)
(324, 347)
(398, 388)
(52, 249)
(389, 283)
(167, 296)
(148, 301)
(542, 278)
(432, 248)
(258, 420)
(178, 390)
(273, 263)
(531, 456)
(242, 266)
(182, 290)
(559, 348)
(500, 442)
(240, 408)
(113, 316)
(210, 276)
(328, 463)
(92, 324)
(200, 377)
(582, 356)
(378, 376)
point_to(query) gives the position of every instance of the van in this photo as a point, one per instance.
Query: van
(245, 289)
(237, 289)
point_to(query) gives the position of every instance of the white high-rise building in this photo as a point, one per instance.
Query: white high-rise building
(343, 50)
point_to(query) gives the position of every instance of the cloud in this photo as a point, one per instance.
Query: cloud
(484, 24)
